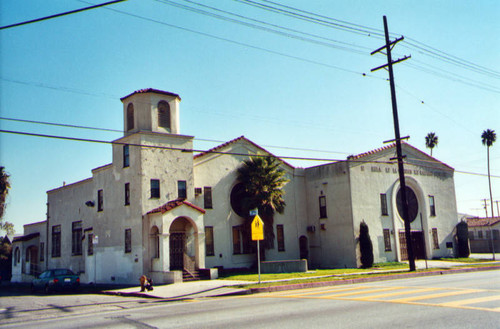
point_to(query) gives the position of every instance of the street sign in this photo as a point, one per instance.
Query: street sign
(254, 212)
(257, 229)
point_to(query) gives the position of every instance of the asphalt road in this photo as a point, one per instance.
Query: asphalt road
(468, 300)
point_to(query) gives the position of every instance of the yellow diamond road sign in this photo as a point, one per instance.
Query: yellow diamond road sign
(257, 228)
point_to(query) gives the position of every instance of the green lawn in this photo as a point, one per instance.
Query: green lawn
(465, 260)
(253, 276)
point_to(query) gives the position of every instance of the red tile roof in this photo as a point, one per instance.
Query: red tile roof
(241, 138)
(482, 221)
(151, 90)
(393, 145)
(174, 204)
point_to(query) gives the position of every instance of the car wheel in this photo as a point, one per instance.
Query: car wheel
(47, 289)
(32, 288)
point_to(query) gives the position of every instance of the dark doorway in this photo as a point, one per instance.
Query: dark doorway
(177, 249)
(417, 239)
(304, 247)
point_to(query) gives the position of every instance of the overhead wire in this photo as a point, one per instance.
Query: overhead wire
(213, 151)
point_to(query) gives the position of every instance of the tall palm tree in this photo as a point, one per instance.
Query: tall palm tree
(488, 137)
(263, 181)
(431, 141)
(4, 190)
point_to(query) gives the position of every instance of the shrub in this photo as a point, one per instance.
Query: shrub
(365, 246)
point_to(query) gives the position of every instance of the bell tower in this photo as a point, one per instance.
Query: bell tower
(151, 110)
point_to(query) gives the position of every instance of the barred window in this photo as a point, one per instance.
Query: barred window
(42, 251)
(100, 200)
(322, 207)
(236, 240)
(432, 205)
(76, 238)
(209, 241)
(90, 244)
(56, 241)
(126, 156)
(127, 194)
(155, 188)
(128, 240)
(280, 236)
(387, 239)
(181, 189)
(207, 197)
(435, 238)
(383, 204)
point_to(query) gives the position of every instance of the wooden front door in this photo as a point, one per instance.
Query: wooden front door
(417, 239)
(177, 248)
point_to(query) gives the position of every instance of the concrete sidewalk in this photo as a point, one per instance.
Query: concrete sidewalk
(214, 288)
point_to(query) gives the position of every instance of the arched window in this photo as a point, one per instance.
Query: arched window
(130, 116)
(163, 115)
(17, 256)
(155, 242)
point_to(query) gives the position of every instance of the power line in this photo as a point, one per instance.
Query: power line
(219, 152)
(121, 131)
(61, 14)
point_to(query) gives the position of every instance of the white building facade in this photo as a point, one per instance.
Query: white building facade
(160, 210)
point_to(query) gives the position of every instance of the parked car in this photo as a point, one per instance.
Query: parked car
(56, 280)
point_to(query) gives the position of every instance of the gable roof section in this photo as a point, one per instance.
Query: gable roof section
(393, 145)
(174, 204)
(26, 237)
(482, 221)
(151, 90)
(218, 149)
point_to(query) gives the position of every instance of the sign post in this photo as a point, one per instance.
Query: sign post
(257, 235)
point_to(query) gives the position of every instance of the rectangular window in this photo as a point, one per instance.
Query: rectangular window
(128, 240)
(56, 241)
(127, 194)
(479, 234)
(207, 197)
(209, 241)
(236, 240)
(322, 207)
(90, 245)
(246, 241)
(471, 235)
(155, 188)
(383, 204)
(435, 239)
(432, 205)
(488, 235)
(181, 189)
(100, 200)
(126, 156)
(280, 236)
(496, 234)
(387, 239)
(42, 251)
(76, 238)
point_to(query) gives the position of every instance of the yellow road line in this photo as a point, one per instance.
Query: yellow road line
(330, 290)
(406, 292)
(363, 292)
(472, 301)
(443, 294)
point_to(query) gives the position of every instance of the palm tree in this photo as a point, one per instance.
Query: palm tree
(4, 190)
(263, 181)
(488, 137)
(431, 141)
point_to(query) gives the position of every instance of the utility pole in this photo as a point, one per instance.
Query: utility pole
(388, 47)
(486, 206)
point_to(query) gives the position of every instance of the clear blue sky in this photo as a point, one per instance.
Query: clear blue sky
(238, 80)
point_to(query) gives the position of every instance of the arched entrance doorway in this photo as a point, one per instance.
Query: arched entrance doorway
(182, 245)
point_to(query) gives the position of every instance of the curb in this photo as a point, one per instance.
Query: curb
(369, 279)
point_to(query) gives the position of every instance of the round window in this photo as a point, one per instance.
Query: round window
(411, 198)
(240, 200)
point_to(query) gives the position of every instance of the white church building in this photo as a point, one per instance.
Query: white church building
(160, 210)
